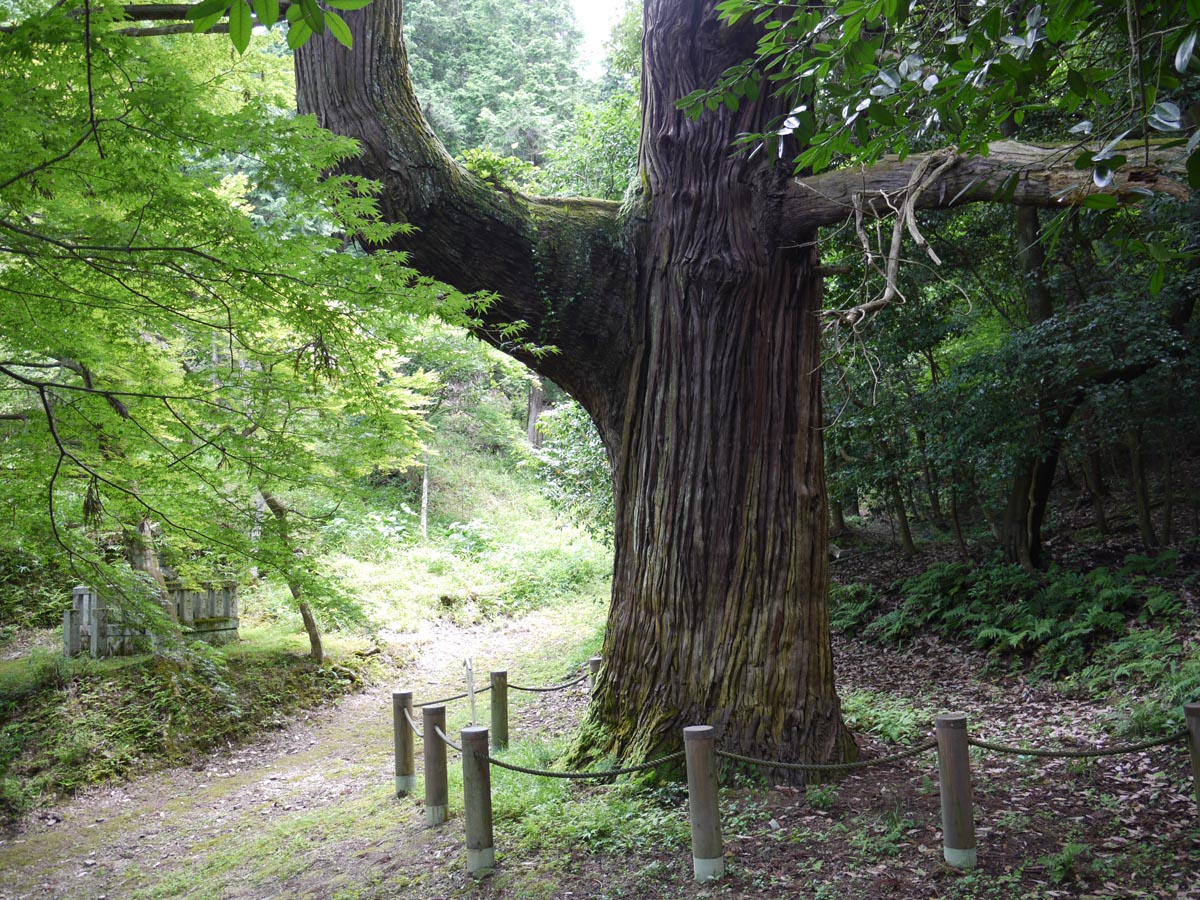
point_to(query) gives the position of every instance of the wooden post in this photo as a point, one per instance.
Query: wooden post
(477, 802)
(1191, 712)
(594, 669)
(708, 851)
(437, 789)
(954, 773)
(499, 711)
(402, 734)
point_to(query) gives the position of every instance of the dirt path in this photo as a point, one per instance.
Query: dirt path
(305, 812)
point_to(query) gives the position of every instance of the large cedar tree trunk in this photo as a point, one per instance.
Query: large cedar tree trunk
(719, 596)
(685, 323)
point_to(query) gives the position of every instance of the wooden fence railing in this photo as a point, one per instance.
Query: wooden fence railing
(701, 751)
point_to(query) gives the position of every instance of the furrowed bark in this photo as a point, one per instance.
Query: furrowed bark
(719, 611)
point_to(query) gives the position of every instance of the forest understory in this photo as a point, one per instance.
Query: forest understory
(308, 811)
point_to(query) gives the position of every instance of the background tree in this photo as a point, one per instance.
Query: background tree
(597, 155)
(495, 74)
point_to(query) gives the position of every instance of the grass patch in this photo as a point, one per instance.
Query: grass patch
(893, 719)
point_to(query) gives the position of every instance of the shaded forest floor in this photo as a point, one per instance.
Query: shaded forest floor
(309, 811)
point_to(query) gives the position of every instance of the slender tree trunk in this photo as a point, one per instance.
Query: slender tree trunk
(931, 485)
(1028, 500)
(1029, 494)
(1169, 474)
(837, 518)
(1093, 471)
(907, 546)
(278, 508)
(954, 518)
(537, 404)
(1169, 501)
(425, 497)
(316, 649)
(1141, 489)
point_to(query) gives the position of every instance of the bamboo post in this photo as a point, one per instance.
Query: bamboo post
(499, 711)
(708, 852)
(437, 788)
(403, 742)
(594, 670)
(954, 774)
(477, 802)
(1191, 712)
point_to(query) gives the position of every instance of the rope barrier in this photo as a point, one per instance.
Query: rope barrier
(831, 767)
(482, 690)
(413, 725)
(610, 773)
(1077, 754)
(546, 690)
(446, 740)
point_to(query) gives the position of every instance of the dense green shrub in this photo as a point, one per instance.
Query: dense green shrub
(1092, 631)
(1054, 621)
(32, 593)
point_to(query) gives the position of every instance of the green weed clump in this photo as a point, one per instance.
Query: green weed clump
(1093, 631)
(893, 719)
(851, 607)
(33, 594)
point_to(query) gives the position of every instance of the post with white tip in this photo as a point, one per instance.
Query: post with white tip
(437, 787)
(403, 741)
(477, 802)
(1191, 712)
(594, 670)
(708, 851)
(954, 774)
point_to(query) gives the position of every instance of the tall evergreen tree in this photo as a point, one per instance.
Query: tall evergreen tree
(686, 324)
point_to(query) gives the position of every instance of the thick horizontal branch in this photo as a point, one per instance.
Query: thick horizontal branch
(168, 12)
(1012, 172)
(178, 28)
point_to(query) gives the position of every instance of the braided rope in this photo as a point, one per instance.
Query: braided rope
(609, 773)
(553, 687)
(446, 740)
(413, 725)
(1077, 754)
(482, 690)
(831, 767)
